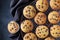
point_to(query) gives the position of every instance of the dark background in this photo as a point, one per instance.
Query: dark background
(5, 17)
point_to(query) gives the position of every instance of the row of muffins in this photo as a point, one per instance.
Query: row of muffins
(40, 18)
(41, 31)
(43, 5)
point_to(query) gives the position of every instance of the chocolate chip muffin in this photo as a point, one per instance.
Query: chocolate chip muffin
(42, 5)
(13, 27)
(26, 26)
(40, 18)
(55, 4)
(53, 17)
(55, 31)
(42, 31)
(29, 12)
(30, 36)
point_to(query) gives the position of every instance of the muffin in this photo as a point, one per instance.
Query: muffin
(26, 26)
(13, 27)
(29, 12)
(42, 31)
(42, 5)
(30, 36)
(55, 4)
(40, 18)
(55, 31)
(53, 17)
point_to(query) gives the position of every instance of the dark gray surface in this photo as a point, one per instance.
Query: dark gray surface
(5, 17)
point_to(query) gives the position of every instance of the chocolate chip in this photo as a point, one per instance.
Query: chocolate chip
(40, 35)
(25, 25)
(56, 4)
(46, 30)
(26, 11)
(12, 28)
(55, 0)
(37, 21)
(38, 29)
(39, 6)
(56, 33)
(42, 6)
(54, 28)
(30, 39)
(50, 29)
(15, 29)
(41, 29)
(28, 15)
(58, 29)
(29, 7)
(30, 25)
(40, 19)
(33, 11)
(54, 19)
(29, 34)
(53, 33)
(27, 37)
(39, 32)
(42, 3)
(42, 16)
(44, 34)
(29, 10)
(46, 4)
